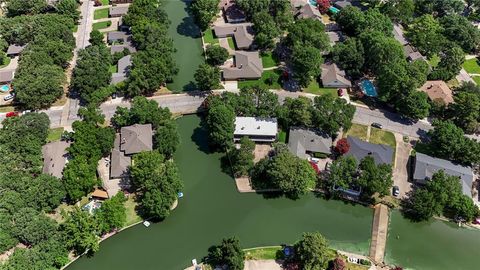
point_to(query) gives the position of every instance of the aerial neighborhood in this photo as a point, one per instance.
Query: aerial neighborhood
(283, 134)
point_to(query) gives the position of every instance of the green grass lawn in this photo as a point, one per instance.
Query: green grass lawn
(476, 79)
(4, 109)
(315, 88)
(434, 60)
(231, 43)
(268, 60)
(101, 25)
(132, 216)
(282, 136)
(6, 62)
(105, 2)
(75, 28)
(54, 134)
(268, 253)
(100, 13)
(264, 80)
(471, 66)
(113, 69)
(357, 130)
(209, 37)
(380, 136)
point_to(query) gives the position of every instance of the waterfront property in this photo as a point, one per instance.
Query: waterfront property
(241, 33)
(231, 12)
(359, 149)
(304, 143)
(426, 166)
(55, 158)
(255, 128)
(247, 65)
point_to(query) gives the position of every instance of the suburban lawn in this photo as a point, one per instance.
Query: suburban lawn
(268, 60)
(471, 66)
(453, 83)
(231, 43)
(266, 253)
(100, 13)
(105, 2)
(4, 109)
(209, 37)
(7, 61)
(315, 88)
(282, 136)
(263, 81)
(379, 136)
(54, 134)
(357, 130)
(101, 25)
(132, 216)
(476, 79)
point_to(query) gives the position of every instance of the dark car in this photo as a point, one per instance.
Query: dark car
(377, 125)
(396, 191)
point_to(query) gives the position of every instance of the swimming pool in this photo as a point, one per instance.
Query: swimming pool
(313, 2)
(4, 88)
(368, 88)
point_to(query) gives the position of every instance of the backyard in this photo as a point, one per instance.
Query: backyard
(231, 43)
(270, 79)
(105, 2)
(315, 88)
(472, 66)
(209, 37)
(268, 60)
(100, 13)
(101, 25)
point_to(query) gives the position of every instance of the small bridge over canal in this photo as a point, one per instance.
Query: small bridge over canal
(379, 233)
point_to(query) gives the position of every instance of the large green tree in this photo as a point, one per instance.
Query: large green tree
(265, 30)
(308, 33)
(142, 111)
(79, 230)
(399, 10)
(374, 178)
(306, 64)
(205, 11)
(425, 33)
(461, 31)
(242, 157)
(167, 138)
(32, 227)
(349, 56)
(228, 254)
(112, 215)
(312, 251)
(216, 55)
(221, 125)
(25, 7)
(207, 78)
(342, 173)
(332, 114)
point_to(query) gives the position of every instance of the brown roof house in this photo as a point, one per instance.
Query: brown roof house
(248, 65)
(332, 76)
(6, 76)
(309, 12)
(55, 158)
(438, 91)
(241, 33)
(231, 11)
(131, 140)
(14, 50)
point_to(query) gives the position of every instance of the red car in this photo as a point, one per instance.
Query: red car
(11, 114)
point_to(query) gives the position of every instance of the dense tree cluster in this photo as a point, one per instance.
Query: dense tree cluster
(90, 142)
(284, 171)
(312, 251)
(346, 173)
(153, 65)
(112, 215)
(399, 10)
(242, 157)
(216, 55)
(92, 72)
(442, 195)
(157, 183)
(354, 22)
(207, 77)
(228, 254)
(40, 76)
(448, 141)
(144, 111)
(465, 112)
(205, 11)
(278, 10)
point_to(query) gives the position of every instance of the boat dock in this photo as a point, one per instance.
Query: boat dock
(379, 233)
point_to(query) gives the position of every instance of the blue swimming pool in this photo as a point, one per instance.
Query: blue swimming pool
(368, 88)
(313, 2)
(4, 88)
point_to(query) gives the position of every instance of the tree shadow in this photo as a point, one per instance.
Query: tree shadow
(200, 138)
(188, 27)
(190, 87)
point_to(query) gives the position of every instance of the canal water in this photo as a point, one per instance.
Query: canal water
(212, 209)
(188, 43)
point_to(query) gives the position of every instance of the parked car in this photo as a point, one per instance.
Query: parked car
(340, 92)
(396, 191)
(9, 97)
(11, 114)
(377, 125)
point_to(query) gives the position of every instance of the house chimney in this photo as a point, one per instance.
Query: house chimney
(241, 65)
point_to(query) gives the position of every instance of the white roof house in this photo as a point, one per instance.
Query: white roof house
(257, 129)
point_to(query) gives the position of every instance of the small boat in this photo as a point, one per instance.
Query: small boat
(180, 194)
(146, 223)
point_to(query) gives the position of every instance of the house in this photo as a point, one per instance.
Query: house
(412, 54)
(256, 128)
(309, 12)
(121, 47)
(6, 76)
(360, 149)
(302, 142)
(117, 36)
(426, 166)
(117, 11)
(241, 33)
(332, 76)
(131, 140)
(55, 158)
(123, 68)
(14, 50)
(298, 3)
(334, 37)
(231, 11)
(438, 91)
(248, 65)
(398, 34)
(342, 4)
(99, 194)
(120, 1)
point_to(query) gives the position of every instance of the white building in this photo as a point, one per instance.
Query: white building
(257, 129)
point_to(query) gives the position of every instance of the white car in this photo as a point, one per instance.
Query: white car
(9, 97)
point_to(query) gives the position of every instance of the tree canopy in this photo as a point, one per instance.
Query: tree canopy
(205, 11)
(228, 253)
(312, 251)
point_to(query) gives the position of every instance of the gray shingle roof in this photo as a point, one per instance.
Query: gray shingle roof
(248, 65)
(116, 11)
(331, 74)
(123, 67)
(242, 33)
(117, 36)
(54, 158)
(426, 166)
(360, 149)
(135, 139)
(14, 49)
(119, 164)
(302, 140)
(119, 48)
(398, 34)
(309, 12)
(6, 76)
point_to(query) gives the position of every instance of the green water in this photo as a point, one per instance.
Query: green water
(432, 245)
(187, 41)
(213, 209)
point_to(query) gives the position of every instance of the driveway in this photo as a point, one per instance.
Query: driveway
(400, 172)
(262, 265)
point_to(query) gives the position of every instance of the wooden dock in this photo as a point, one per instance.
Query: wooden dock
(379, 233)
